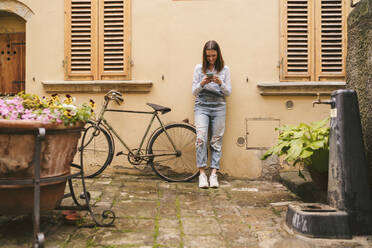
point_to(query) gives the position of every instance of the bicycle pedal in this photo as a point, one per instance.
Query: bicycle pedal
(119, 153)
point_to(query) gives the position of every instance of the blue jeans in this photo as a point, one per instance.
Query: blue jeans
(212, 116)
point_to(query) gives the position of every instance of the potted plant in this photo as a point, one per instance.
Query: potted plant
(307, 144)
(19, 117)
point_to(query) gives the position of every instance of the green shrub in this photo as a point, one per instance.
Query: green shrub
(305, 143)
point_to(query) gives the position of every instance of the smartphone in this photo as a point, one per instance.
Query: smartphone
(210, 74)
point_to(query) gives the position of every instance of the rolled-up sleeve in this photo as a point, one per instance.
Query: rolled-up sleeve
(226, 83)
(196, 87)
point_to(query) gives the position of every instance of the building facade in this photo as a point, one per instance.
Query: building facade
(281, 53)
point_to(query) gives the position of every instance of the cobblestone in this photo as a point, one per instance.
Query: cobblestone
(153, 213)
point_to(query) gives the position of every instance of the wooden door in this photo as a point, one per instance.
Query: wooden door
(12, 63)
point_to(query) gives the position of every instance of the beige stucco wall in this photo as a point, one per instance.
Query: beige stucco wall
(167, 40)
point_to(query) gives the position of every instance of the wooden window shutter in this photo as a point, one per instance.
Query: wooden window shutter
(296, 40)
(80, 35)
(330, 40)
(114, 38)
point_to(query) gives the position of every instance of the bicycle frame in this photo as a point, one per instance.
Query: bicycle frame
(137, 154)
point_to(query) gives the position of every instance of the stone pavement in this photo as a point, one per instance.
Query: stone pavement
(154, 213)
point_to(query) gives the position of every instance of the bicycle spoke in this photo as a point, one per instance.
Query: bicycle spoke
(174, 168)
(191, 142)
(97, 151)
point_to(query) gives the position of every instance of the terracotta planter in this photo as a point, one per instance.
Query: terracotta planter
(16, 162)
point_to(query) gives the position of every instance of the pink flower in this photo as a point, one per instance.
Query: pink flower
(14, 101)
(4, 111)
(28, 115)
(42, 118)
(13, 116)
(20, 107)
(46, 111)
(11, 108)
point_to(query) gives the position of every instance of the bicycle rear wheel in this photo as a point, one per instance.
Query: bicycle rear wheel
(171, 165)
(96, 149)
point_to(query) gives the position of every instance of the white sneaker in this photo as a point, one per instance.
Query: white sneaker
(213, 180)
(203, 181)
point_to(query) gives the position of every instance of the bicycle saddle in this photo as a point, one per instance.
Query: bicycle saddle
(156, 107)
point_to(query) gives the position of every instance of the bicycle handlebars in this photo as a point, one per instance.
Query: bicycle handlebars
(114, 95)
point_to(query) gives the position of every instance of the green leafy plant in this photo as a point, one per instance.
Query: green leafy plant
(305, 143)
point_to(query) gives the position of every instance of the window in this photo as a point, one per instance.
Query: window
(313, 40)
(97, 39)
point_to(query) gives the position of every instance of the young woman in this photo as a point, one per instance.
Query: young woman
(210, 85)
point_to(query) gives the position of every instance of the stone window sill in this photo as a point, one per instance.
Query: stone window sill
(298, 88)
(136, 86)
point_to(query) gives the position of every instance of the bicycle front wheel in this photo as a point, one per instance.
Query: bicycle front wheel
(96, 149)
(174, 165)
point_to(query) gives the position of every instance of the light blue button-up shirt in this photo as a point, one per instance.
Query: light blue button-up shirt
(211, 93)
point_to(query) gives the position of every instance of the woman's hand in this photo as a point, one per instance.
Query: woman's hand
(217, 80)
(206, 80)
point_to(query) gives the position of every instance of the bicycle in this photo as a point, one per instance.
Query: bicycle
(170, 149)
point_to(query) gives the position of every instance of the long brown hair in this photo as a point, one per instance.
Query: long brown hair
(213, 45)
